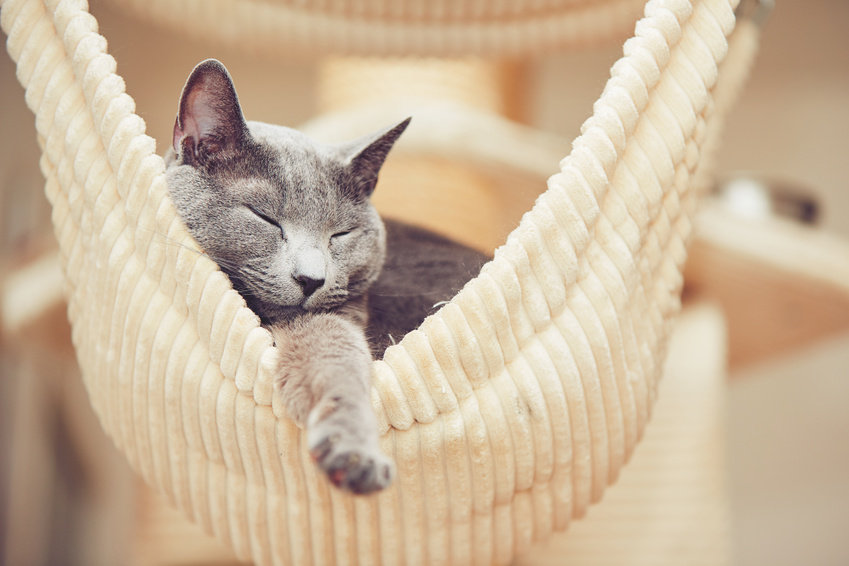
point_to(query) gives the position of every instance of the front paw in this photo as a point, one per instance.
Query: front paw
(350, 462)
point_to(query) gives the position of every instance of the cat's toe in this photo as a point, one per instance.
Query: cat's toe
(353, 469)
(322, 449)
(367, 474)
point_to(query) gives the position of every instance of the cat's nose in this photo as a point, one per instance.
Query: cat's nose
(308, 284)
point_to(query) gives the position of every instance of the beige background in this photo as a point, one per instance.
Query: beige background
(788, 422)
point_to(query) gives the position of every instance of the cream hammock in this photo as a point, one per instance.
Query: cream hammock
(508, 412)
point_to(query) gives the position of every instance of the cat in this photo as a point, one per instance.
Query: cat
(290, 221)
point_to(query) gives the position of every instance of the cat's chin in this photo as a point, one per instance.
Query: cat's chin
(288, 313)
(354, 308)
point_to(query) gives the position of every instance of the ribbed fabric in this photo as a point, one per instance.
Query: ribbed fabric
(507, 413)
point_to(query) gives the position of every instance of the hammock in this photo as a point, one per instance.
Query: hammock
(507, 413)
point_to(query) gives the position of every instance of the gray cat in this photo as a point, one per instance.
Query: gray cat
(289, 220)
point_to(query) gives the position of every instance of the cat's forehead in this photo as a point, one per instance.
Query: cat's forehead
(294, 157)
(286, 140)
(302, 177)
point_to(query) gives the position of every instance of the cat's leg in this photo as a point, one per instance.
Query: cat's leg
(325, 383)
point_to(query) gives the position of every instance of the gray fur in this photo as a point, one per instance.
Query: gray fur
(290, 222)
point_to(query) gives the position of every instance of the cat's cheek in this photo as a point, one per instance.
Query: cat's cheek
(289, 292)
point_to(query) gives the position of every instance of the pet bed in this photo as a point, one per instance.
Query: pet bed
(511, 409)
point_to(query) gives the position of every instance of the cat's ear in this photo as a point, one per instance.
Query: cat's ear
(209, 121)
(365, 156)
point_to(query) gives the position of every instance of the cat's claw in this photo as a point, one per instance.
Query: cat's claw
(355, 468)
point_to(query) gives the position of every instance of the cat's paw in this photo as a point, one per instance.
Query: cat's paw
(350, 463)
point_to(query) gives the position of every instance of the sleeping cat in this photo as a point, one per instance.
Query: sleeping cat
(289, 220)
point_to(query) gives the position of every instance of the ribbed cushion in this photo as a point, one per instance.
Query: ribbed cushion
(508, 412)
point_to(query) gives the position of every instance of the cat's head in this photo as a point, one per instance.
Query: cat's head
(287, 218)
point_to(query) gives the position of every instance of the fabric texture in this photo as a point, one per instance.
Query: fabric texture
(508, 412)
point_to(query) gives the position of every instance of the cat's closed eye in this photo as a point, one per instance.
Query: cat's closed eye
(268, 220)
(340, 234)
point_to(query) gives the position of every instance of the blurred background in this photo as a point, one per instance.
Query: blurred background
(787, 422)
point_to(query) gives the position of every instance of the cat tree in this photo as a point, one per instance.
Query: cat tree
(513, 407)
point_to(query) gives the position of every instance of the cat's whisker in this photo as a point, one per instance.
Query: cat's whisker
(172, 242)
(416, 293)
